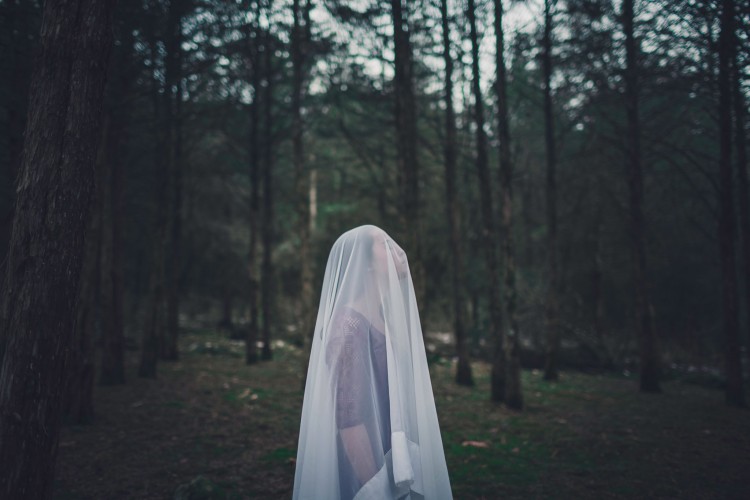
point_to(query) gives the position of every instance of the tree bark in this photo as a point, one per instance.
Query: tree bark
(488, 219)
(47, 243)
(406, 145)
(513, 393)
(649, 357)
(552, 305)
(251, 350)
(463, 369)
(301, 189)
(735, 395)
(267, 291)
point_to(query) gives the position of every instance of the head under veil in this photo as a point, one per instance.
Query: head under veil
(369, 428)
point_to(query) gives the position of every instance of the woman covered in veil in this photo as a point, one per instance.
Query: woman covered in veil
(369, 428)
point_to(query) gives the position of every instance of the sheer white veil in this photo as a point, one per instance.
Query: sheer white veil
(369, 428)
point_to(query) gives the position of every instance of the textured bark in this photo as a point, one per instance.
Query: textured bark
(513, 393)
(79, 403)
(47, 244)
(111, 191)
(735, 395)
(21, 25)
(406, 145)
(488, 219)
(463, 369)
(552, 306)
(267, 281)
(649, 357)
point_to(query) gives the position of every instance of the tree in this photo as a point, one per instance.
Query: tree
(513, 394)
(463, 369)
(488, 219)
(267, 211)
(649, 357)
(553, 287)
(300, 42)
(735, 395)
(46, 250)
(253, 38)
(406, 142)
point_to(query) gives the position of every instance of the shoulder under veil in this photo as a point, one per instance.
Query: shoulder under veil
(369, 429)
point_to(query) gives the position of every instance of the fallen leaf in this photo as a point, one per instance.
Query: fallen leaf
(476, 444)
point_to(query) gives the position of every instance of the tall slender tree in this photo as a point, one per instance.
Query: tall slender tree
(253, 38)
(406, 142)
(740, 143)
(552, 305)
(735, 395)
(463, 369)
(47, 244)
(173, 100)
(299, 48)
(267, 213)
(649, 357)
(513, 393)
(489, 234)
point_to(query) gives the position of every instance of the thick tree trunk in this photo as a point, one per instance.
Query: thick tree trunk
(79, 403)
(740, 145)
(47, 244)
(649, 357)
(406, 145)
(488, 219)
(552, 306)
(21, 28)
(463, 369)
(735, 395)
(267, 291)
(513, 393)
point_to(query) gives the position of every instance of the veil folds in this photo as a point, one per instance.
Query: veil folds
(369, 428)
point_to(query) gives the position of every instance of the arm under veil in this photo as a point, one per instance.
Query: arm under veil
(369, 428)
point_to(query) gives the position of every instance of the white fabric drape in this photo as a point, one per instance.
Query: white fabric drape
(369, 428)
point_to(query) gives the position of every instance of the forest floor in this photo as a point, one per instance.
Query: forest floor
(231, 430)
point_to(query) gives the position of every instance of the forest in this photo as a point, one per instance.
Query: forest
(569, 180)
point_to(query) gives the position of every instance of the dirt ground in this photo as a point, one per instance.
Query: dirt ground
(231, 430)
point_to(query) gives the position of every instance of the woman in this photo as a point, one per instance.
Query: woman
(369, 428)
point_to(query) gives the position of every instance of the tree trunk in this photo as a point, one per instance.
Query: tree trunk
(153, 330)
(173, 94)
(649, 357)
(267, 292)
(406, 145)
(463, 369)
(488, 220)
(111, 189)
(552, 305)
(741, 149)
(301, 188)
(513, 393)
(47, 243)
(735, 395)
(251, 350)
(79, 403)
